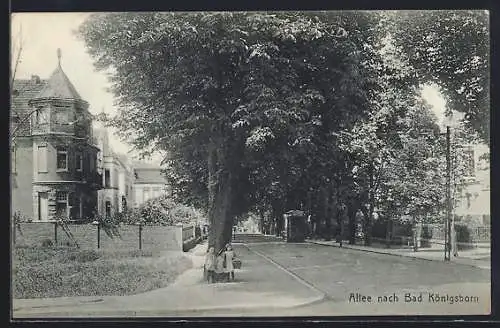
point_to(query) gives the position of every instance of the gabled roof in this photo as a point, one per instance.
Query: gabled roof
(22, 92)
(59, 86)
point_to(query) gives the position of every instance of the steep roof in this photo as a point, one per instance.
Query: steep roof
(23, 91)
(59, 86)
(149, 175)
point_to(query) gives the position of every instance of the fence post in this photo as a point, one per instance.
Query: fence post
(98, 235)
(55, 233)
(140, 236)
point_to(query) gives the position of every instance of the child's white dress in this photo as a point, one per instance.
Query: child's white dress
(229, 261)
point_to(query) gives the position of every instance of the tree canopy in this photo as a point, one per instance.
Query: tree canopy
(273, 111)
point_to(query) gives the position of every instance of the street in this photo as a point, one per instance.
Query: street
(339, 272)
(277, 274)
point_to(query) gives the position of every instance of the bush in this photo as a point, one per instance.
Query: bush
(161, 211)
(425, 236)
(463, 236)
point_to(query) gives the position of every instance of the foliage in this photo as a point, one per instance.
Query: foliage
(67, 272)
(109, 225)
(266, 112)
(162, 211)
(450, 49)
(204, 86)
(463, 235)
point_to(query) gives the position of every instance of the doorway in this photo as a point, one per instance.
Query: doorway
(108, 209)
(43, 206)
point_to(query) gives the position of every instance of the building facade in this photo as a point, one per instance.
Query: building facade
(149, 183)
(53, 156)
(472, 204)
(116, 196)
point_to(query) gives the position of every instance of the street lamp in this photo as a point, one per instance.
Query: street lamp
(447, 247)
(448, 122)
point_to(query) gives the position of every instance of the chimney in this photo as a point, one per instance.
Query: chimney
(35, 79)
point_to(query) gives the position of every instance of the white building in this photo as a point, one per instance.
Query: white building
(116, 195)
(149, 183)
(472, 206)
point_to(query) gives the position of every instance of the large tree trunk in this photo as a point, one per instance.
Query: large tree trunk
(220, 198)
(277, 210)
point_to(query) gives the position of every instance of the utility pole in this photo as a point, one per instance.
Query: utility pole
(447, 248)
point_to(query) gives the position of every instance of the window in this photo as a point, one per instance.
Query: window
(42, 158)
(124, 203)
(139, 197)
(62, 159)
(75, 203)
(468, 196)
(42, 115)
(107, 178)
(156, 192)
(62, 117)
(146, 194)
(79, 161)
(108, 208)
(62, 204)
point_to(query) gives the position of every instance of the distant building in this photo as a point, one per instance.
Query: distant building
(472, 206)
(53, 157)
(117, 179)
(149, 182)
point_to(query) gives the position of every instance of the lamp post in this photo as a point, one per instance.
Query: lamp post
(447, 247)
(449, 121)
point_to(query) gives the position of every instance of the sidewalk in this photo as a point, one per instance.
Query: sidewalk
(259, 284)
(479, 257)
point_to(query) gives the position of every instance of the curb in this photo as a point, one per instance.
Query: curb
(60, 305)
(400, 255)
(33, 311)
(125, 312)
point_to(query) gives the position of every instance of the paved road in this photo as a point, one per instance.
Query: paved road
(340, 273)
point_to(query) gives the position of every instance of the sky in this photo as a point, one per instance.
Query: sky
(44, 33)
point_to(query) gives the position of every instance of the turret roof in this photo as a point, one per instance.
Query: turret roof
(59, 86)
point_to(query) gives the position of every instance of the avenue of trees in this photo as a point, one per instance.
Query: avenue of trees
(319, 111)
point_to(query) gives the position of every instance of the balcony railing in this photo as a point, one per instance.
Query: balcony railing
(45, 128)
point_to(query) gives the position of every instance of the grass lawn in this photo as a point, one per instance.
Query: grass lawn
(65, 271)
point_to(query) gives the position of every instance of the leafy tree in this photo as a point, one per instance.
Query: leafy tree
(451, 49)
(224, 84)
